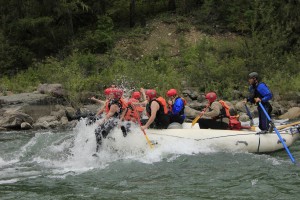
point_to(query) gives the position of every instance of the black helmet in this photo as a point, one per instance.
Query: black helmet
(253, 75)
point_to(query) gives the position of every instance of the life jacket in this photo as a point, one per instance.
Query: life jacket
(234, 123)
(225, 110)
(120, 103)
(162, 119)
(254, 93)
(181, 112)
(132, 111)
(162, 106)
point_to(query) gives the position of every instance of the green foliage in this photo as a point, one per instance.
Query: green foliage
(243, 36)
(215, 65)
(99, 40)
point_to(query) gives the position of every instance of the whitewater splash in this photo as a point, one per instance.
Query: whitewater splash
(58, 154)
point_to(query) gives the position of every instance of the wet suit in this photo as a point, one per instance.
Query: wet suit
(104, 129)
(162, 120)
(261, 91)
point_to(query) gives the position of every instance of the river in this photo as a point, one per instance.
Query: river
(59, 165)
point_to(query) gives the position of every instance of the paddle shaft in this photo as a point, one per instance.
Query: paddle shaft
(139, 121)
(199, 116)
(249, 114)
(288, 125)
(278, 134)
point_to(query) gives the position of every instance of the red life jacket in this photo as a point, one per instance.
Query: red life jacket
(133, 112)
(234, 123)
(121, 103)
(163, 103)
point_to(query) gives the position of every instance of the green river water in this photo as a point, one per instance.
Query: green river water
(59, 165)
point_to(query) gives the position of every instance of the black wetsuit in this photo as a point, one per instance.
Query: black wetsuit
(104, 129)
(161, 120)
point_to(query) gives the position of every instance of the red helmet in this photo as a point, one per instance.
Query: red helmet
(211, 96)
(118, 93)
(107, 91)
(151, 93)
(171, 92)
(136, 95)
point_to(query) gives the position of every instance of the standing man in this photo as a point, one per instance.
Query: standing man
(259, 92)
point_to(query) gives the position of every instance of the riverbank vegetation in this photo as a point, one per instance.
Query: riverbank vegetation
(87, 45)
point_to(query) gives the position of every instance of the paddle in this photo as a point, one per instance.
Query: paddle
(200, 115)
(288, 125)
(139, 121)
(249, 114)
(278, 134)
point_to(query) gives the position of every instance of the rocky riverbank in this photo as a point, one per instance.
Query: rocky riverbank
(47, 108)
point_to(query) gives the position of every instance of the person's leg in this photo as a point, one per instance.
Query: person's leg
(102, 131)
(263, 120)
(204, 123)
(220, 125)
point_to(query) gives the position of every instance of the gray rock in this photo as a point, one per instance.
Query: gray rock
(190, 112)
(201, 98)
(292, 113)
(27, 98)
(58, 114)
(55, 90)
(47, 119)
(243, 117)
(196, 105)
(26, 126)
(194, 95)
(12, 119)
(64, 121)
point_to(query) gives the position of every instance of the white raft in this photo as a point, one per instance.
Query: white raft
(230, 140)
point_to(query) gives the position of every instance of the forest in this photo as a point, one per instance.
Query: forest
(87, 45)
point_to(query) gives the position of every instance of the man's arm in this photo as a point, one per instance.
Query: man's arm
(154, 109)
(265, 92)
(113, 109)
(215, 111)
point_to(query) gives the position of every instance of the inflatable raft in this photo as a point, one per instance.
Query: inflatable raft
(229, 140)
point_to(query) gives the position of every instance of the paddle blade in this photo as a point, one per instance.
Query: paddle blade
(195, 120)
(149, 142)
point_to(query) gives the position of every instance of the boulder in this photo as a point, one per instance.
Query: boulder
(26, 125)
(243, 117)
(196, 105)
(190, 112)
(12, 119)
(46, 122)
(55, 90)
(194, 95)
(292, 113)
(277, 109)
(240, 106)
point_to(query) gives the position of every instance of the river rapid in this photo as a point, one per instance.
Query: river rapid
(60, 165)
